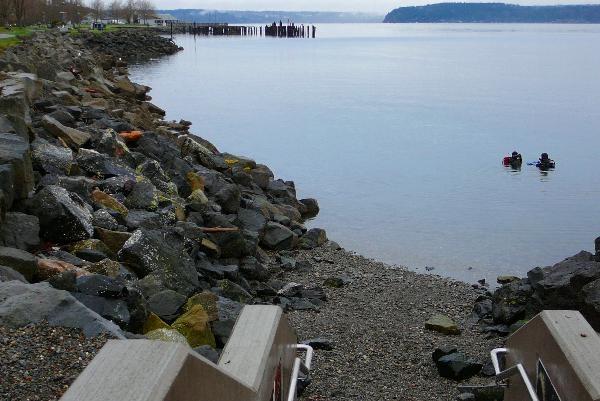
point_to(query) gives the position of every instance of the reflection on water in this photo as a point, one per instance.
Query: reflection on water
(398, 130)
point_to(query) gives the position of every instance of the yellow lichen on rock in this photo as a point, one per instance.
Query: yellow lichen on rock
(195, 180)
(168, 335)
(208, 301)
(108, 202)
(154, 323)
(194, 325)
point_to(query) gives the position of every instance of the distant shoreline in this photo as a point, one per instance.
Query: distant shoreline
(495, 13)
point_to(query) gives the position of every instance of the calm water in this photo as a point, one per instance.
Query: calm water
(399, 131)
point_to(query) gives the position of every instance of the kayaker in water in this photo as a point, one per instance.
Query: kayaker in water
(545, 162)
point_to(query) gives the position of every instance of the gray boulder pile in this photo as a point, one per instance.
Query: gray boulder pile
(122, 222)
(573, 283)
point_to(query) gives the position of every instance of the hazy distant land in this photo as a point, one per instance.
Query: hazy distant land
(265, 17)
(495, 12)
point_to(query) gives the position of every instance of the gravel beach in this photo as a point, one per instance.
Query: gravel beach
(376, 323)
(39, 362)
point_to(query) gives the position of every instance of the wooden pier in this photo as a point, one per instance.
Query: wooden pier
(274, 30)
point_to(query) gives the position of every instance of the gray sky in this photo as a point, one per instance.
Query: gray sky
(380, 6)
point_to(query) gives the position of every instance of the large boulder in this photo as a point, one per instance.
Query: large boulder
(591, 299)
(457, 366)
(72, 137)
(278, 237)
(194, 325)
(144, 195)
(9, 274)
(63, 217)
(229, 198)
(314, 238)
(166, 304)
(15, 152)
(22, 304)
(111, 309)
(251, 220)
(161, 254)
(50, 158)
(97, 164)
(20, 231)
(560, 285)
(20, 261)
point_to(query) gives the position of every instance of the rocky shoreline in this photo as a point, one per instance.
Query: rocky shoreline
(115, 223)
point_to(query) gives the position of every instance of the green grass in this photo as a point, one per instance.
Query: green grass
(108, 28)
(17, 33)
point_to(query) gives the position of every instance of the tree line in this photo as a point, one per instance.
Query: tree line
(29, 12)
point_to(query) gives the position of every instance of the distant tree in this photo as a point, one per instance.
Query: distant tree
(145, 9)
(129, 11)
(19, 8)
(5, 9)
(75, 11)
(116, 9)
(97, 7)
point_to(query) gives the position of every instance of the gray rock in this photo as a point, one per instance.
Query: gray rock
(465, 397)
(7, 188)
(229, 198)
(20, 261)
(111, 309)
(456, 366)
(228, 309)
(71, 136)
(442, 324)
(63, 218)
(311, 208)
(252, 269)
(252, 220)
(20, 231)
(313, 293)
(103, 219)
(443, 351)
(220, 272)
(166, 304)
(143, 219)
(591, 299)
(222, 331)
(8, 274)
(66, 280)
(102, 286)
(22, 304)
(15, 151)
(101, 165)
(510, 302)
(143, 196)
(483, 309)
(51, 159)
(278, 237)
(262, 175)
(81, 186)
(233, 291)
(314, 238)
(208, 352)
(163, 255)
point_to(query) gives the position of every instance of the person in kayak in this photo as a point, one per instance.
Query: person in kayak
(545, 162)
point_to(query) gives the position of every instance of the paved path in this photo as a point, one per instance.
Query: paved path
(5, 36)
